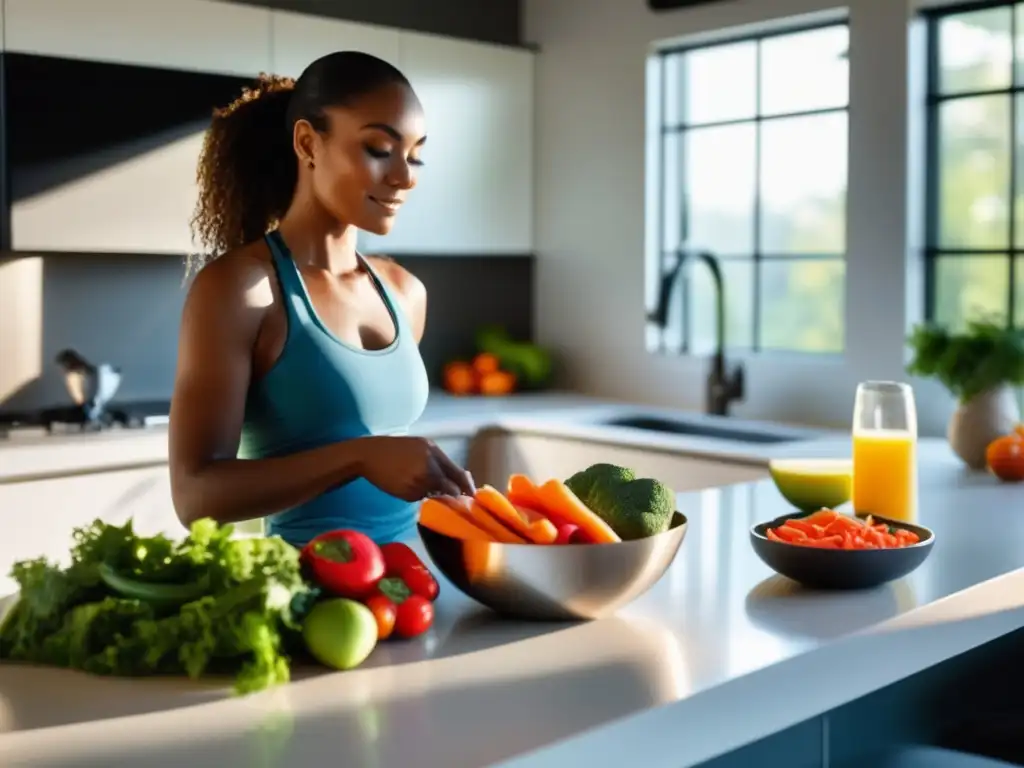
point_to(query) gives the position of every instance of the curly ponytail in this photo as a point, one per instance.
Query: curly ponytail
(247, 170)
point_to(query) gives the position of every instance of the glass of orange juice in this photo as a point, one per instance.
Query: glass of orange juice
(885, 451)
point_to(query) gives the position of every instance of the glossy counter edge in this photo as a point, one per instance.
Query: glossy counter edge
(743, 710)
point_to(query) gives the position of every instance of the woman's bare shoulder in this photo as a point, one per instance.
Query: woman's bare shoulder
(242, 276)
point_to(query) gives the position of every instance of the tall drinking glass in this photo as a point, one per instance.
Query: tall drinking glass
(885, 451)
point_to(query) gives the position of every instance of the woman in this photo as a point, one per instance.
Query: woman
(298, 364)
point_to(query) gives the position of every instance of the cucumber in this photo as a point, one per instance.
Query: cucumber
(149, 592)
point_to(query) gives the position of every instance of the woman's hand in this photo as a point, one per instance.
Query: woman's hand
(412, 468)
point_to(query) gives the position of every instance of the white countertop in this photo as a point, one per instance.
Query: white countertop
(692, 669)
(571, 415)
(35, 456)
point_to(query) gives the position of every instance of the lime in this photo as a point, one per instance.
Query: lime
(810, 484)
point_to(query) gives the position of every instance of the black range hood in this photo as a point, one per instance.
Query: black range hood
(100, 157)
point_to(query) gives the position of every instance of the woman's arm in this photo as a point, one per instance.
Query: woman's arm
(220, 323)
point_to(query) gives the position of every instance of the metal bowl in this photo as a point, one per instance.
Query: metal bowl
(555, 583)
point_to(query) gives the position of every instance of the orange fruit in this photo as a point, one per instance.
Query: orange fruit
(497, 383)
(485, 363)
(460, 378)
(1005, 458)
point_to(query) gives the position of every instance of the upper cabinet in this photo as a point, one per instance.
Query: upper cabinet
(299, 39)
(139, 79)
(196, 35)
(136, 81)
(474, 193)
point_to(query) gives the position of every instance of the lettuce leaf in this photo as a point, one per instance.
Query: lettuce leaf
(68, 616)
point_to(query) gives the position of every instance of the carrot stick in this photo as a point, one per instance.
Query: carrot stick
(523, 492)
(441, 518)
(540, 530)
(556, 497)
(483, 519)
(524, 495)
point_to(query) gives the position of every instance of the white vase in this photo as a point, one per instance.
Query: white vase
(979, 421)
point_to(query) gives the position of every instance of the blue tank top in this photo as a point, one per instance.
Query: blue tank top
(322, 390)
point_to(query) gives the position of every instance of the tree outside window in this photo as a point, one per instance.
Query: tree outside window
(975, 249)
(753, 169)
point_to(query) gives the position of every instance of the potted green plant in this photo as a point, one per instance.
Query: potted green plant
(981, 366)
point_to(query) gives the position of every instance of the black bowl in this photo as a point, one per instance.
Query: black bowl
(840, 568)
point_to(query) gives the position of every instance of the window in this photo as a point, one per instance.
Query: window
(975, 235)
(753, 162)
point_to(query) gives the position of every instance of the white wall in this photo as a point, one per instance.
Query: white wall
(590, 187)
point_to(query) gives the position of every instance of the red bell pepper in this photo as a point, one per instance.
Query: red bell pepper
(414, 614)
(398, 556)
(345, 563)
(402, 562)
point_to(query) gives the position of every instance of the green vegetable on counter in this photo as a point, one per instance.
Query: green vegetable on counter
(531, 364)
(133, 605)
(340, 633)
(635, 508)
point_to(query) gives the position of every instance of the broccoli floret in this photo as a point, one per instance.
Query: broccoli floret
(597, 479)
(634, 507)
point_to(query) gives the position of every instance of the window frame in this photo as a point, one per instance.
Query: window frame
(665, 129)
(933, 251)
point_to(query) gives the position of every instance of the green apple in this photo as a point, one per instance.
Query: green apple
(340, 633)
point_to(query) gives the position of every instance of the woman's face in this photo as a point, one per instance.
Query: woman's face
(365, 165)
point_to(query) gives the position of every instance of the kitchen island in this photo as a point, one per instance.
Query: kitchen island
(718, 654)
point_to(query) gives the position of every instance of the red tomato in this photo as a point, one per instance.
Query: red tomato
(345, 563)
(420, 581)
(384, 612)
(415, 616)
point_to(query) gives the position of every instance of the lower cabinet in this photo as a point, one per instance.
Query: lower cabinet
(494, 454)
(40, 515)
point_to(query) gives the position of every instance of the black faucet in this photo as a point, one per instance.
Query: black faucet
(723, 386)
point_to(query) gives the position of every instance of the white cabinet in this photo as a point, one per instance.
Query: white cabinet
(475, 191)
(299, 39)
(474, 194)
(197, 35)
(140, 206)
(38, 516)
(136, 194)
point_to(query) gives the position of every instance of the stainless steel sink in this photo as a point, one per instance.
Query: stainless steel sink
(694, 429)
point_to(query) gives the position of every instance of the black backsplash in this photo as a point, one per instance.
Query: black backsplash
(125, 309)
(495, 21)
(465, 292)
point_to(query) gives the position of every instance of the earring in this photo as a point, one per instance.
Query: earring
(312, 165)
